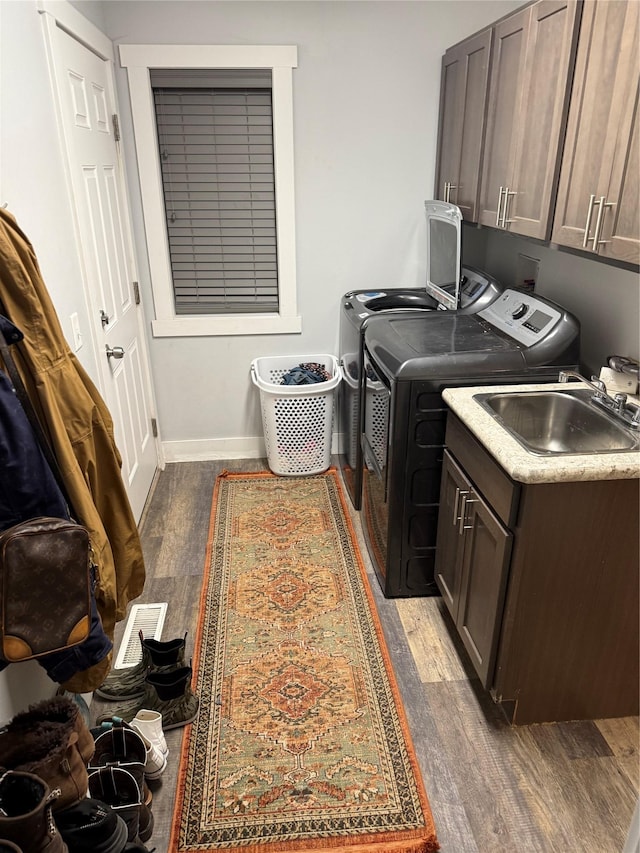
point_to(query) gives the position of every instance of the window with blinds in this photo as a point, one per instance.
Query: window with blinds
(215, 137)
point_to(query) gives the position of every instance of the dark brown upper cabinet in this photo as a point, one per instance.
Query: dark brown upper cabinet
(597, 209)
(532, 62)
(463, 99)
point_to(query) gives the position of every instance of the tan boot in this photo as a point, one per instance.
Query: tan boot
(59, 709)
(25, 814)
(49, 751)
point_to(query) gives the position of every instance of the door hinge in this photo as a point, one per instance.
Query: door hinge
(136, 292)
(154, 427)
(116, 127)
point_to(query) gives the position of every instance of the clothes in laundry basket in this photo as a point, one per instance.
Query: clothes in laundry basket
(307, 373)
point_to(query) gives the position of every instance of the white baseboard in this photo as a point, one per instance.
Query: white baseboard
(204, 449)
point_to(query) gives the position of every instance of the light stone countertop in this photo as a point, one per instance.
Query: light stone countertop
(528, 467)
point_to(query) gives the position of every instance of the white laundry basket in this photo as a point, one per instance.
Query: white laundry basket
(297, 419)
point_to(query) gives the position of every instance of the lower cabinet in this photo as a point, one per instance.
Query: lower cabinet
(471, 565)
(541, 581)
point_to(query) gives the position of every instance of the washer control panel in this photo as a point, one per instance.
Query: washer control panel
(522, 316)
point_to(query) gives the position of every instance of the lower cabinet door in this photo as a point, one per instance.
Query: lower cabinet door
(483, 581)
(450, 542)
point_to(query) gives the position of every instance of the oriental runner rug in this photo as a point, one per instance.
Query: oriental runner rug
(301, 743)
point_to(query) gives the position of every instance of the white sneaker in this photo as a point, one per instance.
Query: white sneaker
(149, 723)
(156, 762)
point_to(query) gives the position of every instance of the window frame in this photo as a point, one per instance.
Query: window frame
(281, 60)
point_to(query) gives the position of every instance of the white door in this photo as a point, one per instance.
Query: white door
(86, 103)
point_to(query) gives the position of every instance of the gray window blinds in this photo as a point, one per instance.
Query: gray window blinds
(215, 136)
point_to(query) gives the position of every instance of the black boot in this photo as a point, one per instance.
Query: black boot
(168, 693)
(118, 788)
(92, 825)
(122, 746)
(157, 655)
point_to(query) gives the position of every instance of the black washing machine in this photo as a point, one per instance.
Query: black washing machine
(477, 291)
(519, 337)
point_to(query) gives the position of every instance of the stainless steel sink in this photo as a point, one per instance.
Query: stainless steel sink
(558, 422)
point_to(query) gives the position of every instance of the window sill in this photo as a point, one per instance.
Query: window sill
(239, 324)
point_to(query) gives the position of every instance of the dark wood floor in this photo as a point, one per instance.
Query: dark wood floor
(565, 787)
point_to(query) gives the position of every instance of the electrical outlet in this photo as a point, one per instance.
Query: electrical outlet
(77, 334)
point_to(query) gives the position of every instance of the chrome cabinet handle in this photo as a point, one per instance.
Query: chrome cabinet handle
(598, 227)
(599, 222)
(114, 352)
(508, 193)
(587, 227)
(459, 493)
(502, 190)
(462, 526)
(447, 191)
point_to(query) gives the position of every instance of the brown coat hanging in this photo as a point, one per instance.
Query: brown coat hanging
(80, 429)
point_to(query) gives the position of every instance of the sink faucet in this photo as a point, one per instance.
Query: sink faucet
(596, 384)
(620, 401)
(620, 406)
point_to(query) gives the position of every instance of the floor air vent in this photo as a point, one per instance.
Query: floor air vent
(148, 618)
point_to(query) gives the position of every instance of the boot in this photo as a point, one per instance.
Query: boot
(92, 825)
(156, 656)
(25, 814)
(60, 709)
(122, 746)
(168, 693)
(118, 788)
(156, 762)
(50, 751)
(149, 724)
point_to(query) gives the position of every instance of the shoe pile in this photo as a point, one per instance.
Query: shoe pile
(161, 683)
(44, 780)
(65, 788)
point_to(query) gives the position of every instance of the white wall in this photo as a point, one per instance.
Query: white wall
(605, 298)
(366, 96)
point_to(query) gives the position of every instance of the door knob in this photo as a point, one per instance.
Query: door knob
(114, 352)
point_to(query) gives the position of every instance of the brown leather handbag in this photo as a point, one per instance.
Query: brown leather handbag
(45, 587)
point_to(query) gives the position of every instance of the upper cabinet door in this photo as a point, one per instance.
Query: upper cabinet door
(465, 74)
(533, 57)
(507, 73)
(597, 208)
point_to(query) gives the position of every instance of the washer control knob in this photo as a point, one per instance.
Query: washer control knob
(520, 311)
